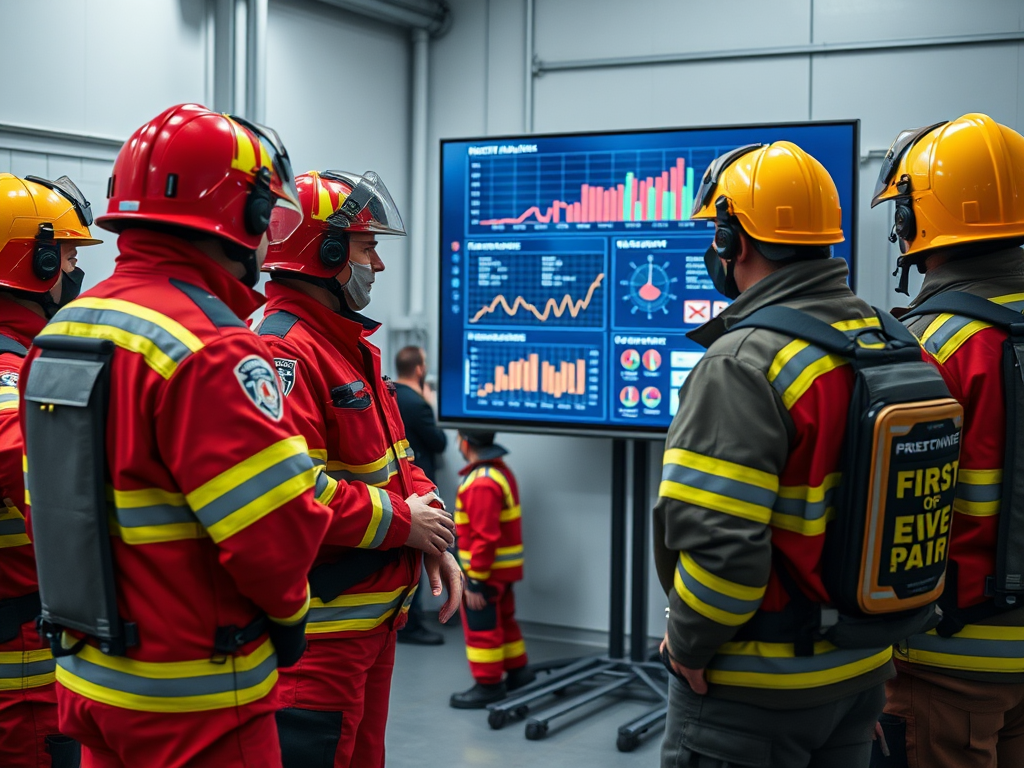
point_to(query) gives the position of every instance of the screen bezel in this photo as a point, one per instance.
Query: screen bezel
(606, 430)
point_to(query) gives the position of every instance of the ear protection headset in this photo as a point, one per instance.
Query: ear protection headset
(46, 255)
(334, 249)
(904, 226)
(727, 239)
(259, 204)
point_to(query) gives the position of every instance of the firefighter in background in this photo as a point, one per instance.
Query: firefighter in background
(42, 225)
(213, 514)
(491, 554)
(749, 456)
(386, 512)
(958, 189)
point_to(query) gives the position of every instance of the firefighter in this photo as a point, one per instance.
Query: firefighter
(750, 458)
(212, 496)
(491, 554)
(959, 219)
(42, 225)
(386, 512)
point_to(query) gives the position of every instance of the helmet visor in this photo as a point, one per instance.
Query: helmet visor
(283, 182)
(891, 162)
(67, 189)
(369, 207)
(714, 172)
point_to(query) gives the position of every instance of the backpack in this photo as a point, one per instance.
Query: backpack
(886, 547)
(1006, 586)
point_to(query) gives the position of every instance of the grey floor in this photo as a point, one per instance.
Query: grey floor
(423, 731)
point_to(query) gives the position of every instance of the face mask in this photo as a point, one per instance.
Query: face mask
(71, 285)
(723, 278)
(357, 289)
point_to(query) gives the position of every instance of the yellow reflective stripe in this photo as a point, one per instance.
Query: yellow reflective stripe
(706, 610)
(789, 680)
(979, 476)
(318, 455)
(151, 353)
(461, 518)
(24, 683)
(856, 324)
(976, 508)
(807, 376)
(723, 468)
(245, 470)
(508, 515)
(717, 502)
(16, 537)
(717, 583)
(484, 655)
(295, 618)
(146, 497)
(513, 649)
(807, 513)
(375, 517)
(386, 602)
(156, 534)
(365, 469)
(331, 488)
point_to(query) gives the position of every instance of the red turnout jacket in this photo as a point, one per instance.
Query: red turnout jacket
(213, 513)
(487, 519)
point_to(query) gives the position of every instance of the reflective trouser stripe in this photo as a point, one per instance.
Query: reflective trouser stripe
(356, 612)
(976, 648)
(485, 655)
(26, 669)
(513, 650)
(773, 665)
(177, 686)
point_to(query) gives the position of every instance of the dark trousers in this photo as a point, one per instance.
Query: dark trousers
(704, 732)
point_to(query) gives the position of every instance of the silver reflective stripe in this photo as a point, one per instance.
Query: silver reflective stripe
(253, 488)
(979, 492)
(807, 510)
(12, 527)
(230, 680)
(716, 599)
(509, 556)
(723, 486)
(790, 665)
(167, 343)
(29, 669)
(8, 399)
(796, 365)
(387, 514)
(158, 514)
(322, 481)
(377, 477)
(968, 646)
(350, 612)
(946, 331)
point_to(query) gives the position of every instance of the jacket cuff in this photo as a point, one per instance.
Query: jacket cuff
(401, 524)
(296, 618)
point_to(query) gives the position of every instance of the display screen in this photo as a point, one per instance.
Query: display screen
(570, 271)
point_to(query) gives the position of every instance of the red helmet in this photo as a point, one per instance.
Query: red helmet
(190, 167)
(333, 203)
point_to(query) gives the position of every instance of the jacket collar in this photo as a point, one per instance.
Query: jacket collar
(821, 279)
(151, 254)
(18, 322)
(496, 463)
(345, 327)
(960, 273)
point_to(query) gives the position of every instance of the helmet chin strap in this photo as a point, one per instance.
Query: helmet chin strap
(247, 258)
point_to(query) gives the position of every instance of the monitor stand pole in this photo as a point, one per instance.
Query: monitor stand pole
(602, 676)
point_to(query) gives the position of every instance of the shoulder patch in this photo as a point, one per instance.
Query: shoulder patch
(9, 379)
(260, 384)
(285, 372)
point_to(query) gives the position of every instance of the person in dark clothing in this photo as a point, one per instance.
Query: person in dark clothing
(427, 441)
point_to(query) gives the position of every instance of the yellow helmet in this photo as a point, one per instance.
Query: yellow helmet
(954, 183)
(778, 193)
(36, 215)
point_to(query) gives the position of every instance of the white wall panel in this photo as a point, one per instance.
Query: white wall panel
(842, 21)
(100, 66)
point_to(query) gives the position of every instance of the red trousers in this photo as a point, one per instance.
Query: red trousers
(24, 725)
(336, 703)
(954, 723)
(111, 737)
(494, 644)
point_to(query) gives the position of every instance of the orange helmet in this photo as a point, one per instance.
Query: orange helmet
(333, 204)
(201, 170)
(36, 215)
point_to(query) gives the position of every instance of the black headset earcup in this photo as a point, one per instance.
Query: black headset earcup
(259, 204)
(334, 251)
(906, 225)
(46, 260)
(725, 242)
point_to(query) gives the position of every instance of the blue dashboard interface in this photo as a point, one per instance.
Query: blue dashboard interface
(570, 271)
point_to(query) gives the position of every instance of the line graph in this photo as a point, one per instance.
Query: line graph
(536, 289)
(559, 308)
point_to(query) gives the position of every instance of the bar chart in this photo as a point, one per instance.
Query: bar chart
(586, 188)
(521, 376)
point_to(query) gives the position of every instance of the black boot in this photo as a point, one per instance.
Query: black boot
(479, 696)
(517, 678)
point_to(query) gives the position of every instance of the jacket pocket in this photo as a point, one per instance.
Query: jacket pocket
(729, 746)
(353, 395)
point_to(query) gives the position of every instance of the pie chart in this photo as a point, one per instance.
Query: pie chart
(652, 397)
(630, 359)
(629, 397)
(652, 360)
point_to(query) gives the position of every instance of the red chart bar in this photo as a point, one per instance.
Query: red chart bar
(619, 192)
(678, 189)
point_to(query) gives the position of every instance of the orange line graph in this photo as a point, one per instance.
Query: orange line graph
(559, 308)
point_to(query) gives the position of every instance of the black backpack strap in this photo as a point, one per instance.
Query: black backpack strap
(277, 324)
(7, 344)
(800, 325)
(969, 305)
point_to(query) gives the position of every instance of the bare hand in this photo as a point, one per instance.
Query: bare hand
(429, 395)
(475, 601)
(443, 571)
(432, 531)
(694, 677)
